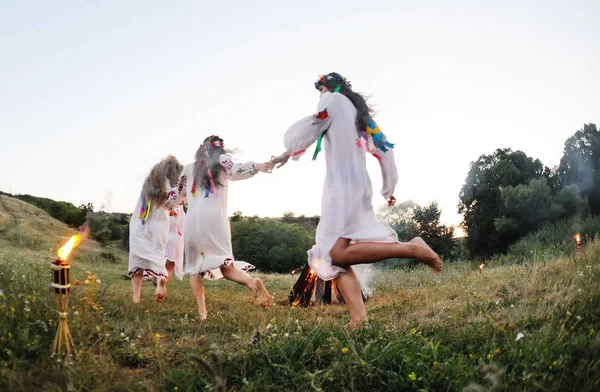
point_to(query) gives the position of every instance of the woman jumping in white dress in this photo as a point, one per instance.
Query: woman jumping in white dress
(207, 232)
(348, 232)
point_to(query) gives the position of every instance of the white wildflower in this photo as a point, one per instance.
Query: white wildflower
(520, 336)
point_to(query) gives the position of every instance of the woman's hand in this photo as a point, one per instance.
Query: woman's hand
(391, 201)
(281, 160)
(265, 167)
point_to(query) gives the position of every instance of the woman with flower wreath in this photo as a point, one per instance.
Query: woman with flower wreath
(348, 233)
(207, 232)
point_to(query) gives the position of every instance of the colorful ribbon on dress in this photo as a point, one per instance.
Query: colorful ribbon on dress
(145, 209)
(211, 188)
(378, 136)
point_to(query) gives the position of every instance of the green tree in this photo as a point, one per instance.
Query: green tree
(580, 164)
(401, 217)
(439, 237)
(525, 208)
(481, 196)
(270, 245)
(410, 220)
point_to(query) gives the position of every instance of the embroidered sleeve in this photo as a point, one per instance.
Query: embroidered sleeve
(182, 188)
(304, 132)
(172, 198)
(237, 171)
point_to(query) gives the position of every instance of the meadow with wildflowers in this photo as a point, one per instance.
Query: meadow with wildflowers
(525, 323)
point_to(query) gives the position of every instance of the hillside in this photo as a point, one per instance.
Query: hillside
(530, 325)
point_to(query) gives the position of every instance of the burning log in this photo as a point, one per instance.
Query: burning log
(309, 284)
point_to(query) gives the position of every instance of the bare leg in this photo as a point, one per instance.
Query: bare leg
(170, 265)
(199, 296)
(345, 255)
(136, 285)
(254, 284)
(349, 285)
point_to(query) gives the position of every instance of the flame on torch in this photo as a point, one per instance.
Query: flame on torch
(577, 238)
(66, 249)
(481, 267)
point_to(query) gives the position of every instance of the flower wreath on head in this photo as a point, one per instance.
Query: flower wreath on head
(212, 187)
(372, 134)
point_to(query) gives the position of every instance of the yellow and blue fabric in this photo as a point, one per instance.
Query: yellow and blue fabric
(145, 209)
(378, 137)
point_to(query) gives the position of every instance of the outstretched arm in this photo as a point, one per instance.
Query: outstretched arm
(242, 171)
(304, 132)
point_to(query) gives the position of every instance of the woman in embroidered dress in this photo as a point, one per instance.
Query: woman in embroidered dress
(149, 227)
(348, 233)
(208, 252)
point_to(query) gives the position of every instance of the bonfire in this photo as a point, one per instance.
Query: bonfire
(309, 285)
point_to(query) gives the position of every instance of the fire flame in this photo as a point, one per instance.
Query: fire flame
(577, 238)
(481, 267)
(66, 249)
(311, 276)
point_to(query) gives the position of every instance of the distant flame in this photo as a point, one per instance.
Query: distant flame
(577, 238)
(481, 267)
(66, 249)
(312, 272)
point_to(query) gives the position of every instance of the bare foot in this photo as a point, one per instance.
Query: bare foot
(161, 289)
(136, 299)
(202, 316)
(426, 255)
(355, 324)
(261, 293)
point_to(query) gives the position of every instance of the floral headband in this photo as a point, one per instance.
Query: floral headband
(214, 143)
(340, 80)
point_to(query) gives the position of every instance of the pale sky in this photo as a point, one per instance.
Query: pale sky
(93, 94)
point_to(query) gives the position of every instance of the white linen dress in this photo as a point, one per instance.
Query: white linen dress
(207, 231)
(346, 207)
(148, 238)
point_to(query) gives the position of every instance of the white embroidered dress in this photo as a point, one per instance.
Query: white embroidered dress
(207, 231)
(148, 240)
(346, 207)
(174, 251)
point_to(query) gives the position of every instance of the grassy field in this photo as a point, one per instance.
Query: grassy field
(526, 326)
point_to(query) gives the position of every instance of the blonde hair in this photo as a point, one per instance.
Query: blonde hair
(154, 185)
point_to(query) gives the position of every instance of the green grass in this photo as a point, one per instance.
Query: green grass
(425, 332)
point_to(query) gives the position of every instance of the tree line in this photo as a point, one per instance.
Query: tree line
(506, 196)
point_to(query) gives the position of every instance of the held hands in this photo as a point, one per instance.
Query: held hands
(266, 167)
(281, 159)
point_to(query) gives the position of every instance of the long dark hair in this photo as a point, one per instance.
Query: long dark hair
(207, 157)
(334, 80)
